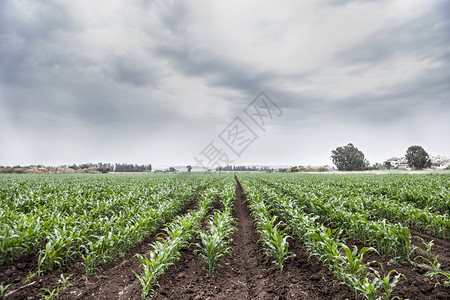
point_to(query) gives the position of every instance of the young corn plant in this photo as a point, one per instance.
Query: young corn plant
(368, 287)
(386, 283)
(353, 263)
(3, 289)
(276, 242)
(272, 236)
(447, 278)
(164, 254)
(58, 250)
(374, 285)
(157, 262)
(61, 286)
(30, 276)
(215, 242)
(433, 262)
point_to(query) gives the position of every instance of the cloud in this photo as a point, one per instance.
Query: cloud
(177, 73)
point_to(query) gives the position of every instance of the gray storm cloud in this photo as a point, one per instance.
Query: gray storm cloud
(131, 81)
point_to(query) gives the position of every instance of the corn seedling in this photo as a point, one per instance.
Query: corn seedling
(433, 262)
(3, 289)
(215, 242)
(388, 283)
(30, 276)
(61, 286)
(276, 242)
(354, 261)
(274, 239)
(447, 276)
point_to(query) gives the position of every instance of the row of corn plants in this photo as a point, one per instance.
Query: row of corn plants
(215, 242)
(389, 239)
(330, 248)
(406, 214)
(378, 206)
(428, 191)
(270, 229)
(52, 203)
(431, 192)
(95, 218)
(176, 236)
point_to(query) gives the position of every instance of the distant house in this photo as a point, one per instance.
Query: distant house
(439, 160)
(397, 162)
(444, 166)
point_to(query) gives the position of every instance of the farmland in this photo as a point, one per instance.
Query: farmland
(220, 236)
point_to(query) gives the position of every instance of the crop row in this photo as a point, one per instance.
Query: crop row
(373, 206)
(215, 241)
(167, 249)
(182, 230)
(328, 246)
(66, 218)
(389, 239)
(271, 232)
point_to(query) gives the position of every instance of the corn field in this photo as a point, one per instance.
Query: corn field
(373, 236)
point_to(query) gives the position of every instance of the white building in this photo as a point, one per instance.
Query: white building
(439, 159)
(397, 162)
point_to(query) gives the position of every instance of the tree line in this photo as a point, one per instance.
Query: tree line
(108, 167)
(243, 169)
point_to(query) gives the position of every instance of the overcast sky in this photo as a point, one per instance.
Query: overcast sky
(159, 81)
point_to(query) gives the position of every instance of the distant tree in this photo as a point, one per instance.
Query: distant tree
(172, 169)
(349, 158)
(189, 168)
(103, 170)
(387, 165)
(417, 157)
(127, 167)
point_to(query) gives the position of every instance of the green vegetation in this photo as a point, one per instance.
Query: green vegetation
(96, 219)
(215, 242)
(64, 217)
(358, 206)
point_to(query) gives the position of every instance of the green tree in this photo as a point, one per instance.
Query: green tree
(417, 157)
(349, 158)
(189, 168)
